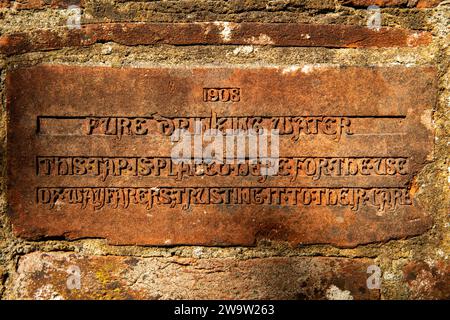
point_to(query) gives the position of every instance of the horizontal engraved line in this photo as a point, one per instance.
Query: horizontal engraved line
(225, 116)
(381, 134)
(246, 158)
(293, 126)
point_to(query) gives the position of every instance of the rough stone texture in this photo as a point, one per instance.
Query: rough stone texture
(391, 3)
(414, 267)
(39, 4)
(304, 11)
(45, 276)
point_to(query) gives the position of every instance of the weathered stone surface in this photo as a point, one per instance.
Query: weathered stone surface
(221, 33)
(315, 4)
(391, 3)
(374, 122)
(51, 276)
(39, 4)
(428, 280)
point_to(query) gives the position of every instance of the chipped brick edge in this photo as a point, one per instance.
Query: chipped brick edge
(217, 33)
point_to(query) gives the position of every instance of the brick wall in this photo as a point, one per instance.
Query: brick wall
(412, 258)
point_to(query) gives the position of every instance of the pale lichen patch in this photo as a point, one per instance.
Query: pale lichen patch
(262, 40)
(334, 293)
(226, 29)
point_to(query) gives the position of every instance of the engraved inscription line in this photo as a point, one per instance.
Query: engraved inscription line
(294, 167)
(384, 199)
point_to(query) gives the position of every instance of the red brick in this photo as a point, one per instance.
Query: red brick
(44, 276)
(428, 3)
(5, 4)
(275, 34)
(397, 124)
(428, 280)
(28, 4)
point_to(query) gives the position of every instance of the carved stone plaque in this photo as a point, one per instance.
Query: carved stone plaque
(90, 153)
